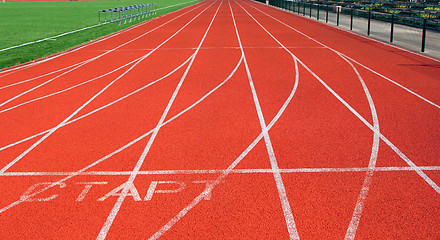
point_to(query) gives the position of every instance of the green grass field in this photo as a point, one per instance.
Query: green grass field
(23, 22)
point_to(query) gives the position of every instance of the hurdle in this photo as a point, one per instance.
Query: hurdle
(130, 13)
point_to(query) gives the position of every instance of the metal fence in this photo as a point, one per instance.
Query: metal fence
(126, 13)
(407, 31)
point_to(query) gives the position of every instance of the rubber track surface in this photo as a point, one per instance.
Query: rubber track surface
(223, 120)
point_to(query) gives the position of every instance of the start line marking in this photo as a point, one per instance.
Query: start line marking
(219, 171)
(155, 187)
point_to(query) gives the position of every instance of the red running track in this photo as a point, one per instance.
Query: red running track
(223, 120)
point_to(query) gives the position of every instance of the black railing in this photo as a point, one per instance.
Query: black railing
(348, 11)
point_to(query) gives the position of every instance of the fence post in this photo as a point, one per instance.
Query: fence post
(351, 20)
(337, 18)
(317, 13)
(392, 28)
(369, 22)
(424, 35)
(304, 9)
(310, 10)
(326, 15)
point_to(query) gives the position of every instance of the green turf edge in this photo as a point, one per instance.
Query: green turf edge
(43, 49)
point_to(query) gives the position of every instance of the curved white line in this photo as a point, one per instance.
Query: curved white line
(369, 69)
(354, 223)
(44, 75)
(10, 164)
(230, 169)
(100, 108)
(90, 60)
(113, 213)
(357, 213)
(285, 205)
(130, 143)
(127, 145)
(394, 82)
(20, 67)
(69, 88)
(418, 170)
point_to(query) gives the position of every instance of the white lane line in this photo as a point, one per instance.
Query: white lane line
(394, 82)
(82, 171)
(50, 80)
(230, 169)
(354, 223)
(395, 149)
(211, 48)
(111, 217)
(357, 213)
(139, 49)
(339, 53)
(100, 108)
(92, 59)
(220, 171)
(90, 100)
(44, 75)
(176, 5)
(93, 42)
(288, 215)
(206, 192)
(69, 88)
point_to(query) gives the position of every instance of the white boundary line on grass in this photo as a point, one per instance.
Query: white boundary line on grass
(50, 38)
(78, 30)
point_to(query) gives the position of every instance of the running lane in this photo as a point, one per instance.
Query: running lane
(76, 146)
(52, 111)
(408, 123)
